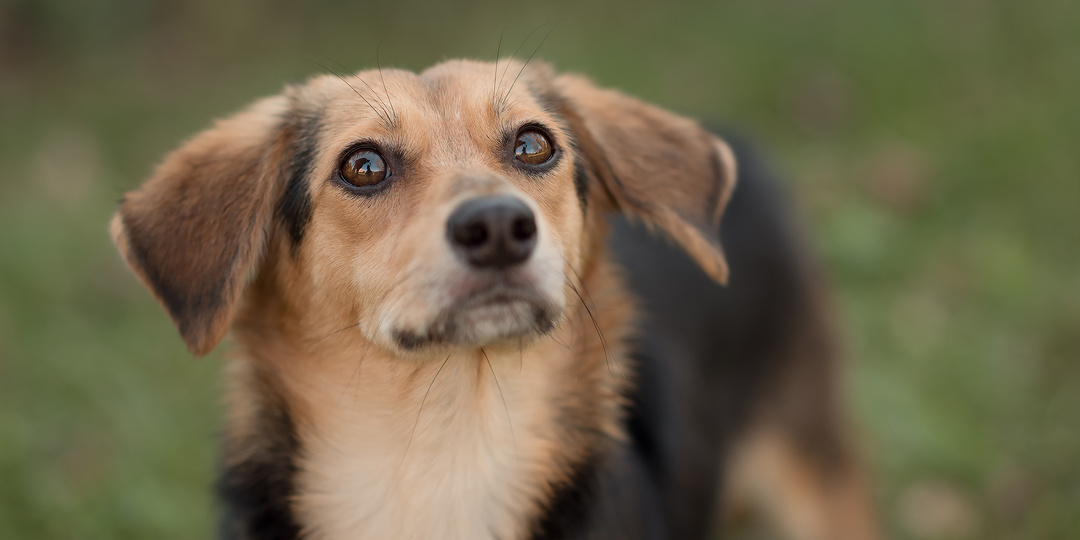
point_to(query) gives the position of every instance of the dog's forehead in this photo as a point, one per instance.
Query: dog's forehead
(460, 76)
(481, 93)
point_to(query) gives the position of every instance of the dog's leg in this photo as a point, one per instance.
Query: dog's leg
(771, 476)
(796, 467)
(795, 464)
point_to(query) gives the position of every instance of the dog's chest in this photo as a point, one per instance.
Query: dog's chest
(471, 468)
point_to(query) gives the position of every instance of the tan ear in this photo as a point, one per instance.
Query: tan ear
(654, 165)
(195, 230)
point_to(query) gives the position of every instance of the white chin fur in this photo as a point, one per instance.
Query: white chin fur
(492, 322)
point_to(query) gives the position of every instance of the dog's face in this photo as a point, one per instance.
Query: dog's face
(449, 219)
(432, 211)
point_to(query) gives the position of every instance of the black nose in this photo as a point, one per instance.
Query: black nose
(492, 232)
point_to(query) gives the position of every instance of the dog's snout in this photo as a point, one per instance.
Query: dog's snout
(492, 232)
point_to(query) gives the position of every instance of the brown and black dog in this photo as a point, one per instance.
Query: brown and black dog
(453, 319)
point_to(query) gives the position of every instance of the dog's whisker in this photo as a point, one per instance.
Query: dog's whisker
(397, 284)
(506, 409)
(378, 98)
(521, 354)
(575, 329)
(495, 76)
(526, 64)
(417, 420)
(397, 301)
(386, 114)
(581, 282)
(563, 345)
(357, 92)
(409, 274)
(599, 333)
(334, 333)
(378, 63)
(516, 51)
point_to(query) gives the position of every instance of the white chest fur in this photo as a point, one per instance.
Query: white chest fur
(474, 466)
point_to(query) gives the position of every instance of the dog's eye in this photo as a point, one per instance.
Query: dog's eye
(532, 147)
(364, 167)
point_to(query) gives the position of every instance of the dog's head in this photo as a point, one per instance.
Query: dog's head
(455, 207)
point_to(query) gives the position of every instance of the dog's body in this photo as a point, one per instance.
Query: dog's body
(436, 344)
(746, 372)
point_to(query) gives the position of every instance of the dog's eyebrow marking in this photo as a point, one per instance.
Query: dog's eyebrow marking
(294, 207)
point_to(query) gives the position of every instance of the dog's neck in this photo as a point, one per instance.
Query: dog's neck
(472, 445)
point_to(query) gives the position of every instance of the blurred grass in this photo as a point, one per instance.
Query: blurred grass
(933, 147)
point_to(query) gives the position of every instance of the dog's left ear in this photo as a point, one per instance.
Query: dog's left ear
(195, 231)
(653, 165)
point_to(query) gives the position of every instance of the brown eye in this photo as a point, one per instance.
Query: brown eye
(532, 147)
(364, 167)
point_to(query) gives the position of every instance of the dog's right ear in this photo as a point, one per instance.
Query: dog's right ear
(652, 165)
(195, 230)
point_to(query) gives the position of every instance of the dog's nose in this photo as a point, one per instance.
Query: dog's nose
(492, 232)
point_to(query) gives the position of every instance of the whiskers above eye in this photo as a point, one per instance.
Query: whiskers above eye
(387, 116)
(378, 62)
(500, 103)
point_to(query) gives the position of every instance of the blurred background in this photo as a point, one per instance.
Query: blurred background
(932, 147)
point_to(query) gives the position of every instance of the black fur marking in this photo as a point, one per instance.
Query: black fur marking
(581, 181)
(545, 322)
(443, 331)
(411, 340)
(567, 514)
(294, 208)
(257, 492)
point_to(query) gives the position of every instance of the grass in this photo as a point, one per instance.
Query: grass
(932, 147)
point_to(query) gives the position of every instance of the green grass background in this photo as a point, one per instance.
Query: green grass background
(933, 148)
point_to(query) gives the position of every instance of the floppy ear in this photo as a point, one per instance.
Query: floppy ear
(195, 230)
(653, 165)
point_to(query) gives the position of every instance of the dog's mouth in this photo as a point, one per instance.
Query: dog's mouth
(500, 311)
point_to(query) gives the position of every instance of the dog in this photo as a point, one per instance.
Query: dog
(485, 302)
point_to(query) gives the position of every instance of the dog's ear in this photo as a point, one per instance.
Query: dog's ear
(653, 165)
(196, 229)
